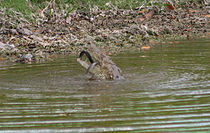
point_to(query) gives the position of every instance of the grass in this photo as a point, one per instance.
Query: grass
(18, 5)
(27, 7)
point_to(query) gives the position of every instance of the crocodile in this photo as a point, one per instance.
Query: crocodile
(100, 66)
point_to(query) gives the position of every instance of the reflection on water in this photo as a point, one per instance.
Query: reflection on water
(166, 89)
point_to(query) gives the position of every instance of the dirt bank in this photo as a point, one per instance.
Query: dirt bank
(56, 31)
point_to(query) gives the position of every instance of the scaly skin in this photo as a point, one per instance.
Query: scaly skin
(104, 67)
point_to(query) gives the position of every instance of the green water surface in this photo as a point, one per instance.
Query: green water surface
(167, 89)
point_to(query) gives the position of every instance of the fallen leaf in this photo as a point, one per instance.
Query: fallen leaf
(176, 42)
(1, 58)
(9, 35)
(141, 19)
(191, 11)
(149, 14)
(70, 28)
(169, 6)
(145, 48)
(142, 11)
(188, 37)
(207, 15)
(172, 17)
(173, 42)
(188, 30)
(151, 41)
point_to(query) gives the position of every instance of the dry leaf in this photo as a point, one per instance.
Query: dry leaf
(172, 17)
(145, 48)
(142, 11)
(71, 28)
(191, 11)
(188, 30)
(176, 42)
(1, 58)
(153, 42)
(188, 37)
(141, 19)
(169, 6)
(150, 41)
(149, 15)
(173, 42)
(207, 15)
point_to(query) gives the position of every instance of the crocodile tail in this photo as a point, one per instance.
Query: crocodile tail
(87, 54)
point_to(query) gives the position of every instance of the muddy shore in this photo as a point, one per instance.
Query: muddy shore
(114, 30)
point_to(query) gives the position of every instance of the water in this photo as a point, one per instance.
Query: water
(167, 89)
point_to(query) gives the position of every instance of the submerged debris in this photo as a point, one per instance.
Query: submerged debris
(28, 58)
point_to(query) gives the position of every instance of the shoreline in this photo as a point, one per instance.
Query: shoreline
(113, 30)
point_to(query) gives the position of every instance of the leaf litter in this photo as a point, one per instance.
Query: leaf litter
(58, 30)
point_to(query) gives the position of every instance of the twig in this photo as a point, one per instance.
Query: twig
(42, 12)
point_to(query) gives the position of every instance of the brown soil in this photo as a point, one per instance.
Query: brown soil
(113, 30)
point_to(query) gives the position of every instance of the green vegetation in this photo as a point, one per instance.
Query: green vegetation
(18, 5)
(21, 6)
(27, 7)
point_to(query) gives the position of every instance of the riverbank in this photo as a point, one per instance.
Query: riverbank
(56, 30)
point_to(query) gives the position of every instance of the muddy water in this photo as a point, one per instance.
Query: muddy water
(167, 89)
